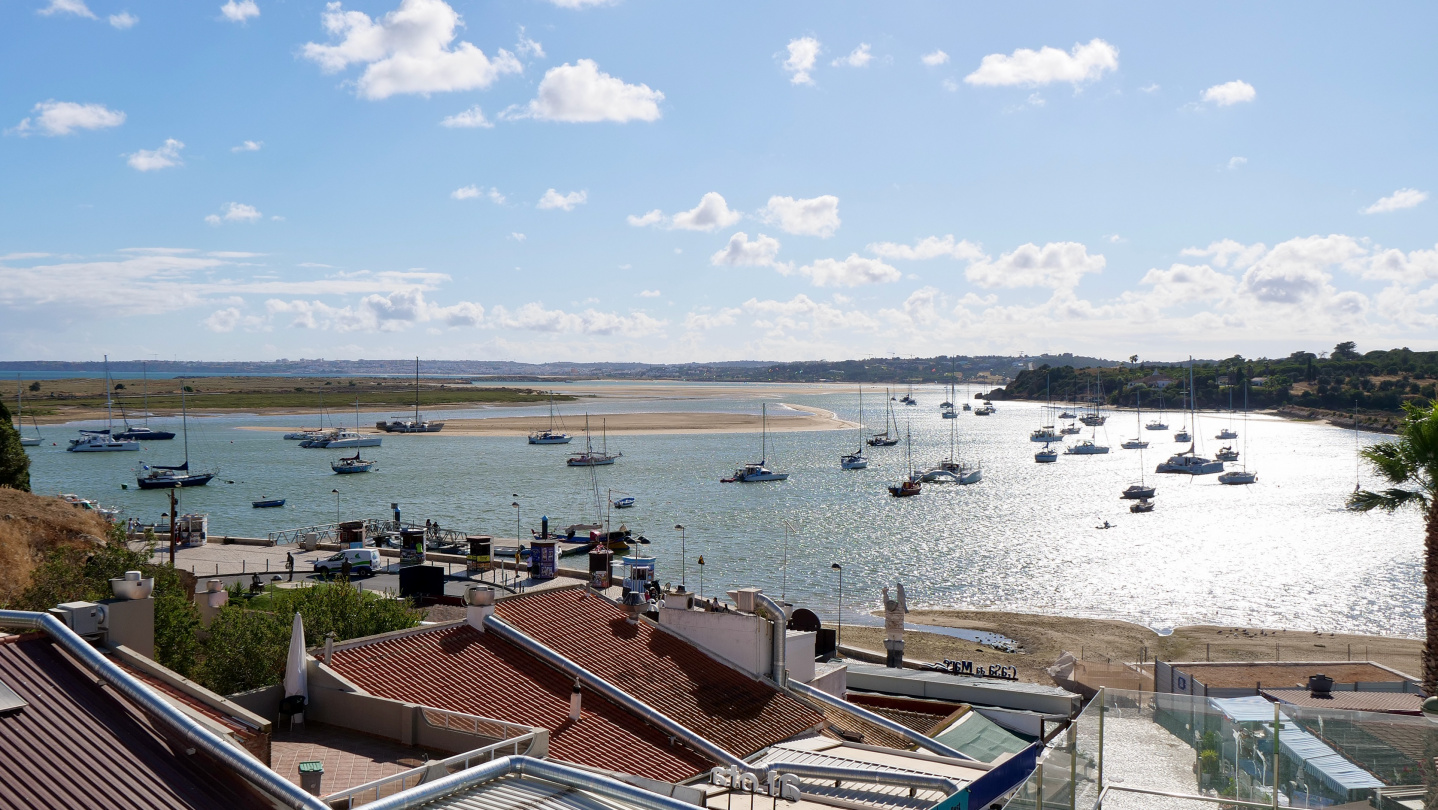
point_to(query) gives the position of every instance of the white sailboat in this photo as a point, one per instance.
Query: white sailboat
(1095, 417)
(1157, 424)
(591, 458)
(154, 476)
(1245, 475)
(951, 470)
(890, 436)
(1048, 455)
(550, 435)
(756, 471)
(856, 460)
(1136, 443)
(1183, 435)
(1227, 432)
(1190, 462)
(1045, 432)
(25, 441)
(100, 441)
(352, 438)
(416, 425)
(910, 486)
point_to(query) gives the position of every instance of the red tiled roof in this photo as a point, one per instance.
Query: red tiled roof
(740, 714)
(460, 669)
(77, 746)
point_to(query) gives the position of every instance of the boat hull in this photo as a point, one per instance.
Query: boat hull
(107, 447)
(549, 439)
(173, 482)
(589, 462)
(367, 441)
(145, 435)
(273, 503)
(1190, 466)
(761, 477)
(1138, 493)
(1235, 477)
(30, 441)
(351, 469)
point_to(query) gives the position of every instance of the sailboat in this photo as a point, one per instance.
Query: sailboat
(25, 441)
(1048, 455)
(890, 436)
(1095, 417)
(967, 405)
(550, 435)
(910, 486)
(589, 458)
(908, 399)
(1157, 424)
(1183, 435)
(1189, 462)
(100, 441)
(951, 469)
(1046, 433)
(415, 425)
(1136, 443)
(1227, 433)
(351, 438)
(856, 460)
(304, 435)
(154, 476)
(352, 464)
(1244, 476)
(756, 471)
(143, 433)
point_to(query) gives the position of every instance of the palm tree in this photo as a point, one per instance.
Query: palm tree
(1410, 465)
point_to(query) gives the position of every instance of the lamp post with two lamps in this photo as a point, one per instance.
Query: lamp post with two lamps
(516, 538)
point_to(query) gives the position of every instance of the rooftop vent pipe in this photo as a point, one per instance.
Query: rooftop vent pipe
(777, 616)
(1320, 686)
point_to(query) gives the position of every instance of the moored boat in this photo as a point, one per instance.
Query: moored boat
(267, 503)
(352, 464)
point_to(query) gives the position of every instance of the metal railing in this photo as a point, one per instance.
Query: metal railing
(330, 532)
(438, 769)
(474, 724)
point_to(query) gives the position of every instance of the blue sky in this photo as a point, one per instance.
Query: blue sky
(638, 180)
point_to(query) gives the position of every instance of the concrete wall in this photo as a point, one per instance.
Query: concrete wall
(799, 654)
(741, 639)
(131, 623)
(972, 691)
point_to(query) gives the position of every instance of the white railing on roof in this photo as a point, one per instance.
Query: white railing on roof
(330, 533)
(474, 724)
(438, 769)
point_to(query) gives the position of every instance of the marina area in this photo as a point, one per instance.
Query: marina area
(1274, 554)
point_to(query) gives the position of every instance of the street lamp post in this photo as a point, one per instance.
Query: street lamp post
(701, 576)
(516, 540)
(784, 582)
(839, 636)
(684, 559)
(336, 493)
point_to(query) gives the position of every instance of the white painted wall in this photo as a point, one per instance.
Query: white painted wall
(741, 639)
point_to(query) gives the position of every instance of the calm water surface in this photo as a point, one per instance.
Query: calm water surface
(1280, 553)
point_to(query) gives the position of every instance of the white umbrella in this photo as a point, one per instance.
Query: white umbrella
(295, 680)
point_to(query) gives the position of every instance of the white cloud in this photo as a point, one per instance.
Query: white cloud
(931, 247)
(712, 213)
(1183, 284)
(76, 7)
(1227, 252)
(802, 54)
(1151, 87)
(851, 272)
(517, 236)
(465, 193)
(649, 293)
(469, 119)
(950, 85)
(740, 252)
(248, 146)
(935, 59)
(1296, 271)
(63, 117)
(471, 192)
(816, 216)
(148, 160)
(859, 57)
(124, 20)
(392, 312)
(564, 202)
(1397, 201)
(582, 93)
(533, 316)
(408, 50)
(1047, 65)
(1229, 93)
(578, 4)
(235, 212)
(1057, 264)
(226, 320)
(802, 313)
(699, 321)
(1236, 161)
(528, 47)
(241, 11)
(495, 196)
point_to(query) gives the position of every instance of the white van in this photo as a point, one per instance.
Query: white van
(363, 562)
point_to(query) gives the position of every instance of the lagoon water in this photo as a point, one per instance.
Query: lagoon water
(1280, 553)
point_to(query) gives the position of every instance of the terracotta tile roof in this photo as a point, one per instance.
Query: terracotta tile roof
(460, 669)
(78, 746)
(740, 714)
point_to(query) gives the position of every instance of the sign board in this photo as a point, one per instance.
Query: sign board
(479, 557)
(542, 559)
(411, 548)
(979, 670)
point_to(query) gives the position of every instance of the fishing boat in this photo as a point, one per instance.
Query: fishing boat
(267, 503)
(1142, 506)
(550, 435)
(352, 464)
(1048, 455)
(25, 441)
(590, 458)
(1245, 475)
(856, 460)
(416, 425)
(756, 471)
(143, 432)
(155, 476)
(101, 441)
(910, 486)
(890, 436)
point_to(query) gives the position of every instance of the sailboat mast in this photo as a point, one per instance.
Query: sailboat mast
(145, 374)
(763, 433)
(416, 390)
(109, 413)
(185, 427)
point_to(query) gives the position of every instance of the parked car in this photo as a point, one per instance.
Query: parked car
(363, 562)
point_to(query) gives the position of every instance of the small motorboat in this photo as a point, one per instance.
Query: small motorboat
(1134, 444)
(1046, 434)
(907, 489)
(1048, 455)
(1226, 453)
(946, 404)
(622, 503)
(1238, 477)
(1183, 436)
(1138, 492)
(1226, 433)
(1144, 505)
(968, 407)
(1086, 448)
(1155, 425)
(267, 503)
(1068, 415)
(352, 464)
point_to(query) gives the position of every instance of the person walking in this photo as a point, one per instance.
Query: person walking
(345, 568)
(290, 564)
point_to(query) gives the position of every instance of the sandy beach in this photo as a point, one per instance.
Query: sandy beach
(792, 418)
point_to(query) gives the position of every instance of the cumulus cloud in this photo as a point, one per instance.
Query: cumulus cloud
(1230, 93)
(931, 247)
(528, 47)
(854, 271)
(802, 313)
(935, 58)
(701, 321)
(740, 252)
(649, 293)
(148, 160)
(471, 118)
(1397, 201)
(241, 11)
(1236, 161)
(1057, 264)
(534, 317)
(582, 93)
(248, 146)
(1226, 252)
(471, 192)
(64, 117)
(409, 50)
(1184, 284)
(564, 202)
(392, 312)
(859, 57)
(1085, 63)
(816, 216)
(124, 20)
(465, 193)
(712, 213)
(229, 319)
(76, 7)
(235, 212)
(802, 54)
(1297, 270)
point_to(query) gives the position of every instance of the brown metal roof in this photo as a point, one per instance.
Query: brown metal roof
(1281, 674)
(1339, 700)
(77, 745)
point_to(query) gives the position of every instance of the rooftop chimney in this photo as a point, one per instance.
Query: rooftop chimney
(575, 697)
(1320, 686)
(479, 603)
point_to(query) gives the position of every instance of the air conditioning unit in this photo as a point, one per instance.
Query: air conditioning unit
(85, 618)
(744, 599)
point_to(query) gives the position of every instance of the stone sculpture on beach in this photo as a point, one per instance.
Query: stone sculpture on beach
(894, 610)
